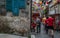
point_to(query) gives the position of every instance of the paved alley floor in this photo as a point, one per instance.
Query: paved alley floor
(10, 36)
(44, 35)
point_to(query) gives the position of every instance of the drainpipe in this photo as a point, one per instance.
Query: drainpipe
(30, 13)
(55, 9)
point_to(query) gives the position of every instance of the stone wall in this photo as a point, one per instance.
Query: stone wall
(17, 23)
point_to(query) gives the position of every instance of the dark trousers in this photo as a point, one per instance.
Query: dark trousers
(38, 28)
(58, 28)
(33, 29)
(46, 29)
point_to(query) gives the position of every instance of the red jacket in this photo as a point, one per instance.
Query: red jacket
(33, 24)
(59, 23)
(46, 21)
(50, 21)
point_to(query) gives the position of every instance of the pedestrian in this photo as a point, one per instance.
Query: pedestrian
(43, 21)
(50, 26)
(38, 24)
(59, 25)
(46, 25)
(33, 25)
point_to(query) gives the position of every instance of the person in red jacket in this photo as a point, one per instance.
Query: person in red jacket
(33, 25)
(50, 26)
(50, 22)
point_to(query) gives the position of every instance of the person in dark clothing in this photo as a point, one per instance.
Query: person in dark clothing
(38, 22)
(59, 25)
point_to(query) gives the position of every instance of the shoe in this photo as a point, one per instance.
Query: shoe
(52, 36)
(37, 32)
